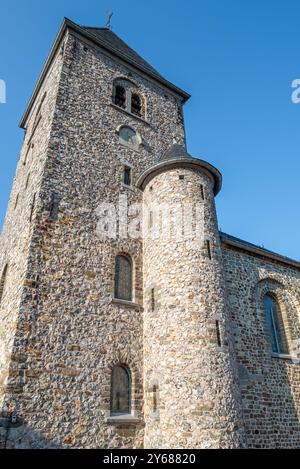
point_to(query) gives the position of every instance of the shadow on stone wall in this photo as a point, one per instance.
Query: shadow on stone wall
(270, 384)
(14, 434)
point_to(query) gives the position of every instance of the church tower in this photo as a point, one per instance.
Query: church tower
(97, 349)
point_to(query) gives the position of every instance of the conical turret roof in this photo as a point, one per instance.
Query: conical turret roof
(174, 152)
(176, 156)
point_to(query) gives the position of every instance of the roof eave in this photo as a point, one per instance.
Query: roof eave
(184, 95)
(257, 250)
(67, 23)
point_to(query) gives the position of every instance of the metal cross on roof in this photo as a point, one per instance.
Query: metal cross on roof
(108, 22)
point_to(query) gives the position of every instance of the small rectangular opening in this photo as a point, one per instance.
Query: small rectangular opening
(154, 403)
(54, 206)
(152, 299)
(208, 247)
(218, 333)
(150, 219)
(127, 176)
(27, 181)
(202, 192)
(181, 177)
(16, 202)
(32, 208)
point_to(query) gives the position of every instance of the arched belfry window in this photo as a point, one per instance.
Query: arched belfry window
(123, 278)
(275, 325)
(120, 96)
(2, 282)
(136, 104)
(120, 391)
(126, 96)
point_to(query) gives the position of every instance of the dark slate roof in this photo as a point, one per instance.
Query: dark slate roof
(242, 244)
(174, 152)
(116, 44)
(107, 40)
(177, 157)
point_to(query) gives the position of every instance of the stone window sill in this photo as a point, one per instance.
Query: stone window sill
(282, 356)
(129, 304)
(129, 114)
(125, 186)
(122, 419)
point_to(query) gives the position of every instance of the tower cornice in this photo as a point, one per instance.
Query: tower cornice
(186, 162)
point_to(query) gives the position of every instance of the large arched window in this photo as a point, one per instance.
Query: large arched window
(123, 278)
(2, 282)
(275, 325)
(120, 391)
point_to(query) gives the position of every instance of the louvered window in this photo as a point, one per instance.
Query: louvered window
(120, 97)
(136, 105)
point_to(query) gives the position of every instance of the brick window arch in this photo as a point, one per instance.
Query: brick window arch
(123, 278)
(2, 282)
(120, 403)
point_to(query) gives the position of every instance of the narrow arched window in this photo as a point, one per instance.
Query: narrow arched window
(16, 201)
(154, 398)
(120, 391)
(120, 96)
(275, 325)
(123, 278)
(2, 282)
(127, 176)
(27, 181)
(136, 104)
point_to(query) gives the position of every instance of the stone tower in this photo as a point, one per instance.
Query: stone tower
(187, 349)
(99, 117)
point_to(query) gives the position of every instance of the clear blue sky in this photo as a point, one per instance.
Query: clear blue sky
(237, 58)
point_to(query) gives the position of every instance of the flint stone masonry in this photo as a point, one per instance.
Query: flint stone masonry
(198, 399)
(269, 384)
(61, 329)
(58, 299)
